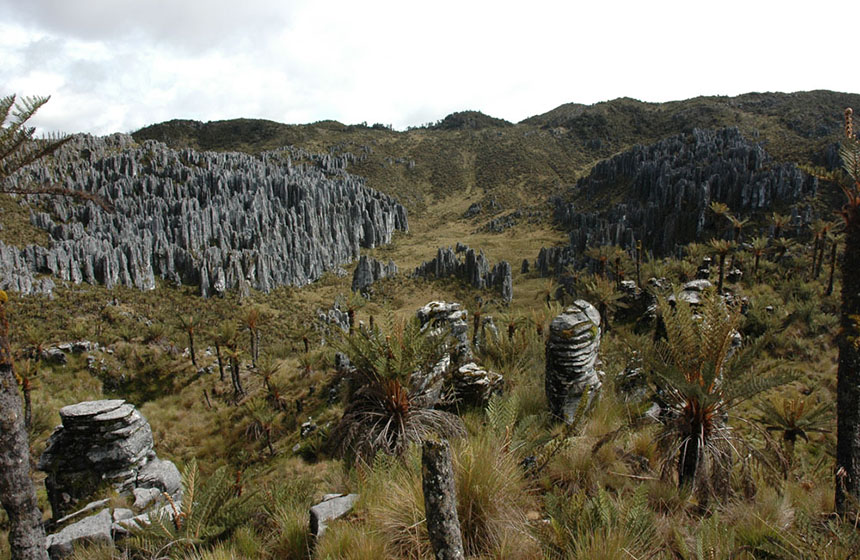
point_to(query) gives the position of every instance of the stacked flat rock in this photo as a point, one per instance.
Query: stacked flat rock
(218, 220)
(571, 354)
(472, 384)
(102, 442)
(474, 269)
(669, 186)
(369, 270)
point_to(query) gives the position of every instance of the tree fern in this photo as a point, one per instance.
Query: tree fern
(703, 374)
(210, 509)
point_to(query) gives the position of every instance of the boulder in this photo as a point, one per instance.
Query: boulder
(333, 506)
(93, 529)
(472, 384)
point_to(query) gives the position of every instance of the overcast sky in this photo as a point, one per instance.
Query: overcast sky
(119, 65)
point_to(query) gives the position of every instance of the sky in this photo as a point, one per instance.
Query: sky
(119, 65)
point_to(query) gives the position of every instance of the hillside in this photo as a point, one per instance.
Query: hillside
(580, 253)
(539, 154)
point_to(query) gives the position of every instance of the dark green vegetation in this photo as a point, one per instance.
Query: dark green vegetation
(617, 484)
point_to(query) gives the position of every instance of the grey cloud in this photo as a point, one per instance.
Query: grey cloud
(193, 25)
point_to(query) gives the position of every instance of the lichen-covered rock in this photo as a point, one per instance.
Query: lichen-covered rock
(691, 292)
(571, 355)
(452, 317)
(219, 220)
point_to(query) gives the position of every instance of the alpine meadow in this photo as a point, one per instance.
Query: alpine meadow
(620, 330)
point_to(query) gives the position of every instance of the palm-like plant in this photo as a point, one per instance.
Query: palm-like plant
(190, 323)
(223, 337)
(758, 246)
(603, 294)
(779, 222)
(210, 509)
(722, 248)
(391, 404)
(704, 375)
(795, 418)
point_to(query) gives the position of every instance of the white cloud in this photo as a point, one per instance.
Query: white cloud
(122, 64)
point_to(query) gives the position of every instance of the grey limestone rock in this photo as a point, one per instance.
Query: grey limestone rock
(691, 292)
(93, 529)
(106, 442)
(472, 384)
(571, 355)
(448, 317)
(222, 221)
(369, 271)
(669, 186)
(474, 269)
(333, 506)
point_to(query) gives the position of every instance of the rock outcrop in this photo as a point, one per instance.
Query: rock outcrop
(369, 270)
(474, 269)
(456, 374)
(219, 220)
(666, 189)
(100, 444)
(571, 355)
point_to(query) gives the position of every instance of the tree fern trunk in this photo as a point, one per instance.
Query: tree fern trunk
(17, 492)
(440, 501)
(220, 361)
(848, 374)
(191, 348)
(688, 460)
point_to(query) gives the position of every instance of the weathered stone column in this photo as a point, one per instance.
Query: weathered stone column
(571, 353)
(440, 500)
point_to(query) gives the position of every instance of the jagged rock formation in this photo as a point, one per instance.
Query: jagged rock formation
(369, 271)
(456, 373)
(104, 442)
(667, 188)
(474, 269)
(450, 317)
(220, 220)
(571, 354)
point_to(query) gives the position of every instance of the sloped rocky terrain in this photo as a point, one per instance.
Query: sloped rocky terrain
(659, 194)
(218, 220)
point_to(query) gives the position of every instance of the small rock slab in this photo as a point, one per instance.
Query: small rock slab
(94, 529)
(333, 506)
(88, 409)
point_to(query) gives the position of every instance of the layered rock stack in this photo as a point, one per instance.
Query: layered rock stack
(571, 355)
(369, 270)
(104, 443)
(474, 269)
(217, 220)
